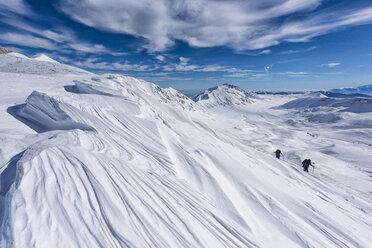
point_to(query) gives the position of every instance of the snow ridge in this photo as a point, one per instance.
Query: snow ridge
(19, 63)
(43, 57)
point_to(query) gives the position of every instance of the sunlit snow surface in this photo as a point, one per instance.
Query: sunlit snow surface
(111, 161)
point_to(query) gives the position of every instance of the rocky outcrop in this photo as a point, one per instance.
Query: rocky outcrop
(4, 50)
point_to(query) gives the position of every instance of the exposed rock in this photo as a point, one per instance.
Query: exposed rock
(4, 50)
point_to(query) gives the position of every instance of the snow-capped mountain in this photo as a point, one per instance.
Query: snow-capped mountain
(318, 108)
(92, 160)
(41, 64)
(224, 95)
(365, 89)
(321, 102)
(43, 57)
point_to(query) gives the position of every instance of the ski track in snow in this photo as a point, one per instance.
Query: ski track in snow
(121, 162)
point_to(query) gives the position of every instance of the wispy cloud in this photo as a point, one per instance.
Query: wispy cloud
(264, 75)
(156, 69)
(31, 35)
(331, 65)
(184, 60)
(295, 74)
(299, 51)
(93, 63)
(27, 40)
(14, 6)
(185, 66)
(254, 53)
(241, 25)
(160, 57)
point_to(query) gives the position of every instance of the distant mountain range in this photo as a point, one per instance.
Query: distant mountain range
(362, 91)
(365, 89)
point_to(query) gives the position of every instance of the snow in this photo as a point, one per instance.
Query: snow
(18, 55)
(315, 103)
(224, 95)
(43, 57)
(18, 63)
(112, 161)
(365, 89)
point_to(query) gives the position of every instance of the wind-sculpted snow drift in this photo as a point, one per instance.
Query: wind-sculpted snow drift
(120, 162)
(43, 113)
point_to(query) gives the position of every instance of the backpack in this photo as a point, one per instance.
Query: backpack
(306, 162)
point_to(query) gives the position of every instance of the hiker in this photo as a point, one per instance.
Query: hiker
(277, 153)
(306, 163)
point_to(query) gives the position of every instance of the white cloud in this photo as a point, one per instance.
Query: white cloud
(160, 57)
(184, 60)
(27, 40)
(295, 74)
(63, 38)
(241, 25)
(254, 53)
(332, 64)
(184, 66)
(239, 75)
(263, 75)
(15, 6)
(92, 63)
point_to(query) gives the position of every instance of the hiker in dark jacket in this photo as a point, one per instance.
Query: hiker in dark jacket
(277, 153)
(306, 163)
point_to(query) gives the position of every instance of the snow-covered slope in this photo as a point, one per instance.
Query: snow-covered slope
(112, 161)
(224, 95)
(19, 63)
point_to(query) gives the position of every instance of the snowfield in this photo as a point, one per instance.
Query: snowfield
(92, 160)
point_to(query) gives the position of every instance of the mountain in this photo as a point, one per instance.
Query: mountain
(326, 93)
(343, 95)
(355, 104)
(264, 92)
(318, 108)
(224, 95)
(43, 57)
(41, 64)
(108, 160)
(365, 89)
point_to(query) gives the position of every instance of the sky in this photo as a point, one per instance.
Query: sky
(192, 45)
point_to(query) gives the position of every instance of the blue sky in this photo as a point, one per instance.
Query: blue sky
(195, 44)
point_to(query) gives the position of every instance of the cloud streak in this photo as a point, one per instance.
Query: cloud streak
(27, 40)
(241, 25)
(92, 63)
(331, 65)
(24, 34)
(299, 51)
